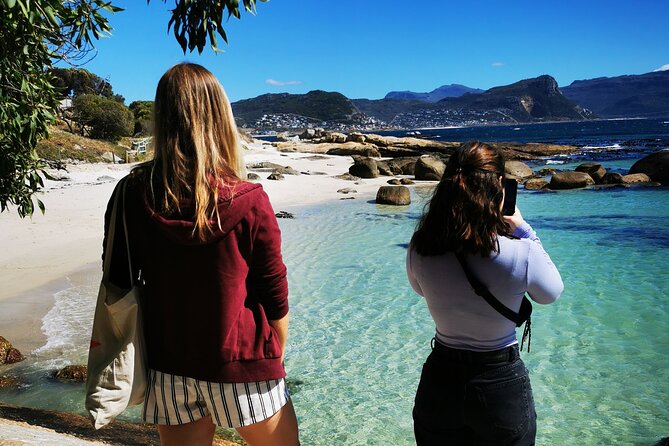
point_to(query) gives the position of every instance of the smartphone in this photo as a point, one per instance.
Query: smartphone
(510, 193)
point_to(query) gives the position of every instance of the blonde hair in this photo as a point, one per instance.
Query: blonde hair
(196, 145)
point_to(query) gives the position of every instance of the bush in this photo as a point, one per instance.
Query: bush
(103, 118)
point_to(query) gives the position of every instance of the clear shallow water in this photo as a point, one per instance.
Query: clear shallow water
(359, 334)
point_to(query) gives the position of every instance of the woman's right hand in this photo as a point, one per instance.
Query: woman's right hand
(514, 220)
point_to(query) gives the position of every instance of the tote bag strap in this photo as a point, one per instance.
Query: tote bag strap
(125, 230)
(111, 233)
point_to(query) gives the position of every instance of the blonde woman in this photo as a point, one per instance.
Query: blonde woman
(207, 247)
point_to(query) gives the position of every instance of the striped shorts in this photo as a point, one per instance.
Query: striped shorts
(172, 399)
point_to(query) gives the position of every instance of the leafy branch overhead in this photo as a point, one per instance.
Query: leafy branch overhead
(193, 21)
(35, 35)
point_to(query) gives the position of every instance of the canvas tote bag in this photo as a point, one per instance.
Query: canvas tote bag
(117, 358)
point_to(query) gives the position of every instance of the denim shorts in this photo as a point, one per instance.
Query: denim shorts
(474, 398)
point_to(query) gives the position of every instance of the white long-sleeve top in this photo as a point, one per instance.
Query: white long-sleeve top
(465, 320)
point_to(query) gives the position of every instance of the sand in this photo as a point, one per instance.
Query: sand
(42, 255)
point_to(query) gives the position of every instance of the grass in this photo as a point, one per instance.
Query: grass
(62, 145)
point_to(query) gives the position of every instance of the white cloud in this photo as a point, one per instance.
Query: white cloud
(282, 83)
(498, 64)
(664, 67)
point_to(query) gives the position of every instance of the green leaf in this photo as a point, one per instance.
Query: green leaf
(41, 205)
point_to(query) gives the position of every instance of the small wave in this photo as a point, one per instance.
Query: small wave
(609, 147)
(555, 162)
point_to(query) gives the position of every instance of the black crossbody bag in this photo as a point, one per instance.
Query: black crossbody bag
(523, 315)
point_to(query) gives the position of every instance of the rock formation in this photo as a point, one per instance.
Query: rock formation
(393, 195)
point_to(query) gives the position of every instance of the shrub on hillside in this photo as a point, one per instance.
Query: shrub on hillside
(102, 118)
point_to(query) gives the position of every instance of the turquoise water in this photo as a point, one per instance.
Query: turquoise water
(359, 335)
(598, 364)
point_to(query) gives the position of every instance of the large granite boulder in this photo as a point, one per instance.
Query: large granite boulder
(384, 169)
(8, 354)
(595, 170)
(394, 195)
(636, 178)
(364, 167)
(403, 165)
(356, 137)
(655, 165)
(570, 180)
(429, 168)
(308, 134)
(517, 170)
(535, 184)
(612, 178)
(350, 149)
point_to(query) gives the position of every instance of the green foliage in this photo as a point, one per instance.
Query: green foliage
(76, 81)
(143, 112)
(103, 118)
(194, 22)
(34, 33)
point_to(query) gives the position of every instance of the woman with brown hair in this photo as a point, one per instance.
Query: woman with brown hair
(474, 388)
(206, 246)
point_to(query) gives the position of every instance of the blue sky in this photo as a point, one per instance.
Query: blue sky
(366, 48)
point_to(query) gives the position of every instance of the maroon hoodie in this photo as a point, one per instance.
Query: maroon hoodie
(207, 304)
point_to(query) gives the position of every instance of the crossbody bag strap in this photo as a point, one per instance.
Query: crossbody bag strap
(518, 318)
(482, 291)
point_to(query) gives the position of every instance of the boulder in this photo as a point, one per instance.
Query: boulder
(347, 176)
(364, 167)
(595, 170)
(333, 137)
(636, 178)
(570, 180)
(287, 170)
(111, 157)
(429, 168)
(308, 134)
(406, 181)
(393, 195)
(8, 354)
(547, 171)
(347, 190)
(612, 178)
(284, 214)
(275, 176)
(394, 182)
(76, 373)
(384, 169)
(517, 170)
(350, 149)
(283, 137)
(535, 184)
(356, 137)
(655, 165)
(252, 176)
(403, 165)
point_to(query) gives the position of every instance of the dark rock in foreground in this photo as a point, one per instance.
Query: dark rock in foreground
(655, 165)
(393, 195)
(77, 373)
(8, 354)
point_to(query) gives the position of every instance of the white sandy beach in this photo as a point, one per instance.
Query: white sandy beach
(42, 255)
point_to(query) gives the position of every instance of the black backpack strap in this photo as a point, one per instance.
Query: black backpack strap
(525, 311)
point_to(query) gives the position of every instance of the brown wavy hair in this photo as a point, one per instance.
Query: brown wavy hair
(196, 145)
(464, 214)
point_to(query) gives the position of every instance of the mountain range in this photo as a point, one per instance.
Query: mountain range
(530, 100)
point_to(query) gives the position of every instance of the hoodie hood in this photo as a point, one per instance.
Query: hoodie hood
(233, 205)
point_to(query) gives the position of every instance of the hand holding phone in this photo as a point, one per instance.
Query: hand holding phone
(510, 194)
